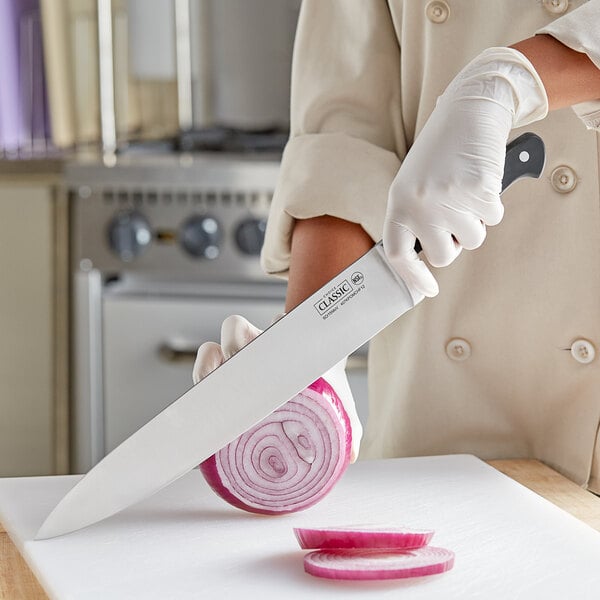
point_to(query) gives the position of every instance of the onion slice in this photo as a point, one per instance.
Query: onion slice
(378, 564)
(290, 460)
(362, 536)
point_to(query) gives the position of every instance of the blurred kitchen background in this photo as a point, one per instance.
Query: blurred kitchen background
(139, 148)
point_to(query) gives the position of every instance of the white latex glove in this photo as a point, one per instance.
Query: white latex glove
(236, 332)
(448, 187)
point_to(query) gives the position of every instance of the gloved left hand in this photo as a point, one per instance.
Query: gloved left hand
(236, 332)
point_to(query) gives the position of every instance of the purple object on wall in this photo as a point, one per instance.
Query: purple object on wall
(23, 111)
(10, 107)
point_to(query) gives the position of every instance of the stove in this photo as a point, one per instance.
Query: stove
(163, 249)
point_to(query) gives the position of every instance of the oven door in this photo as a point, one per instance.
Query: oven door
(149, 348)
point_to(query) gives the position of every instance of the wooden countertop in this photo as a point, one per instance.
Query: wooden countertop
(554, 487)
(18, 583)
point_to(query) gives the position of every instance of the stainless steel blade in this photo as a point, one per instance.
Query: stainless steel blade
(279, 363)
(336, 320)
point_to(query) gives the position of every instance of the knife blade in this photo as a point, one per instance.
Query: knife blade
(328, 326)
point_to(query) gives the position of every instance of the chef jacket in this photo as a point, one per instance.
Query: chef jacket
(505, 361)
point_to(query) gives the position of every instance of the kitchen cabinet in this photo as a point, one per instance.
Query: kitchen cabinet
(33, 323)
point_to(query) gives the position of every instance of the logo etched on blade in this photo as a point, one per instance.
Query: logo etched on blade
(339, 294)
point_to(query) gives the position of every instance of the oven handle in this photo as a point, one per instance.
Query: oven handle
(175, 353)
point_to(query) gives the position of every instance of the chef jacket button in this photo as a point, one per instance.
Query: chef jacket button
(458, 349)
(556, 7)
(583, 351)
(563, 179)
(437, 11)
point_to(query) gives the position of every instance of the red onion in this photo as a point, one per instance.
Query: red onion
(367, 536)
(290, 460)
(378, 564)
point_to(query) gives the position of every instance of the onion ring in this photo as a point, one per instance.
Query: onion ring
(288, 461)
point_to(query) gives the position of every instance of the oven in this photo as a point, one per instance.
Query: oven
(163, 249)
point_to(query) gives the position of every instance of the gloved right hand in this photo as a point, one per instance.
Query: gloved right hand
(236, 332)
(448, 188)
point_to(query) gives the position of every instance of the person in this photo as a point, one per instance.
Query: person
(400, 114)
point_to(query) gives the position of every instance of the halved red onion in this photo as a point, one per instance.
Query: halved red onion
(290, 460)
(362, 536)
(378, 564)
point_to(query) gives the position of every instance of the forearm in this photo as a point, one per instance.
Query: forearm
(321, 248)
(569, 77)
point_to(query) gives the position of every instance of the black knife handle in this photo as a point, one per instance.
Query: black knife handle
(525, 157)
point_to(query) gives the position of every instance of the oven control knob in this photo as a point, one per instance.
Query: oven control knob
(250, 235)
(200, 237)
(129, 234)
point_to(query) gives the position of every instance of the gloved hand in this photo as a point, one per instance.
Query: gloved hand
(236, 332)
(448, 187)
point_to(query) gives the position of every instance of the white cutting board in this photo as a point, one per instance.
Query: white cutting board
(185, 542)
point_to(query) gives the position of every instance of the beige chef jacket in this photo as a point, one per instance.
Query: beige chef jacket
(505, 361)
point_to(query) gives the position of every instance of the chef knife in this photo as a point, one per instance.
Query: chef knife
(283, 360)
